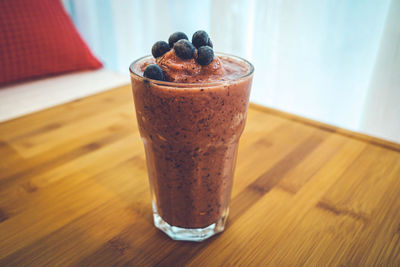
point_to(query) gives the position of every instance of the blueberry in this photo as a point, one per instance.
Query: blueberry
(153, 71)
(205, 55)
(184, 49)
(200, 38)
(175, 37)
(160, 48)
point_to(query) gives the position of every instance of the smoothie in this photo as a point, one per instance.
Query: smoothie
(190, 124)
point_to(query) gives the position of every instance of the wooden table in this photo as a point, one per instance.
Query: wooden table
(74, 190)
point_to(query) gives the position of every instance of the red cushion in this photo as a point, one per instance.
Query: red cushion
(38, 38)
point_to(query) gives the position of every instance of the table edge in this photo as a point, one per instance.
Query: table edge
(327, 127)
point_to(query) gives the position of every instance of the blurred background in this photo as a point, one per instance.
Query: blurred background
(335, 61)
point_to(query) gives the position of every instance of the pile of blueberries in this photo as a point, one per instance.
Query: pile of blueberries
(183, 49)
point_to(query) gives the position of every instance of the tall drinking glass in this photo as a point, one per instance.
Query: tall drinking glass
(190, 133)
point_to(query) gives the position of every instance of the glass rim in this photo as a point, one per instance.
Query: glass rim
(206, 84)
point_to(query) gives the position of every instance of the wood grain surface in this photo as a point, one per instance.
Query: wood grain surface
(74, 191)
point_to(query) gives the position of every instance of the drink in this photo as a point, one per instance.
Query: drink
(191, 131)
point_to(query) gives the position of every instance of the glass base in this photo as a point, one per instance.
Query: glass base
(190, 234)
